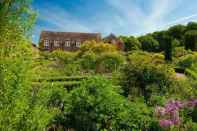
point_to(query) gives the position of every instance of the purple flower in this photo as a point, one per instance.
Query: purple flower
(169, 114)
(192, 103)
(173, 105)
(165, 123)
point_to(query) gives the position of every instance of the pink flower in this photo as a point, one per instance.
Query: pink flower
(165, 123)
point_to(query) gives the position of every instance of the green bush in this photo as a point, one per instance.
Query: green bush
(109, 62)
(146, 77)
(96, 105)
(88, 60)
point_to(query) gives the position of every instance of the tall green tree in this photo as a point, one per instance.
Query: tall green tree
(20, 105)
(168, 48)
(177, 31)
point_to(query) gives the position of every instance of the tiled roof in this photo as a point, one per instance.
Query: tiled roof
(69, 35)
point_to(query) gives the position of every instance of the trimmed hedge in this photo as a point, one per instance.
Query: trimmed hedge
(62, 84)
(60, 79)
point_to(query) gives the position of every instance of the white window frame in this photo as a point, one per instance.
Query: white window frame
(46, 44)
(56, 43)
(67, 43)
(78, 43)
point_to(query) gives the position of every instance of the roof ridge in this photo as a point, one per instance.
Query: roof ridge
(45, 31)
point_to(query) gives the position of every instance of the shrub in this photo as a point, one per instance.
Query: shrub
(140, 73)
(97, 47)
(96, 105)
(88, 60)
(187, 61)
(109, 62)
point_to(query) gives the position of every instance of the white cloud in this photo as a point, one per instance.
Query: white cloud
(61, 20)
(134, 16)
(182, 19)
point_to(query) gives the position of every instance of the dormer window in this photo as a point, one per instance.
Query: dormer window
(67, 44)
(78, 43)
(46, 44)
(56, 43)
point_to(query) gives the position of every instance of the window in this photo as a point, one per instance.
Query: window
(56, 43)
(78, 44)
(67, 44)
(46, 43)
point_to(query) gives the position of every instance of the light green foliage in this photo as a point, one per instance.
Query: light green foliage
(109, 62)
(187, 61)
(63, 57)
(20, 108)
(180, 51)
(88, 60)
(181, 89)
(97, 47)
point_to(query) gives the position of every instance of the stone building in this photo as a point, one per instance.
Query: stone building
(68, 41)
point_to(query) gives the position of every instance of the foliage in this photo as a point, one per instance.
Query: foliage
(187, 61)
(109, 62)
(88, 60)
(97, 47)
(96, 105)
(177, 31)
(180, 51)
(63, 56)
(191, 39)
(145, 76)
(149, 43)
(131, 43)
(20, 107)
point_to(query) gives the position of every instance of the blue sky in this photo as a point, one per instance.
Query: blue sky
(121, 17)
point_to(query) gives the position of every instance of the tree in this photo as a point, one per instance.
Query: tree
(177, 32)
(160, 37)
(130, 43)
(149, 43)
(191, 26)
(20, 106)
(191, 40)
(168, 49)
